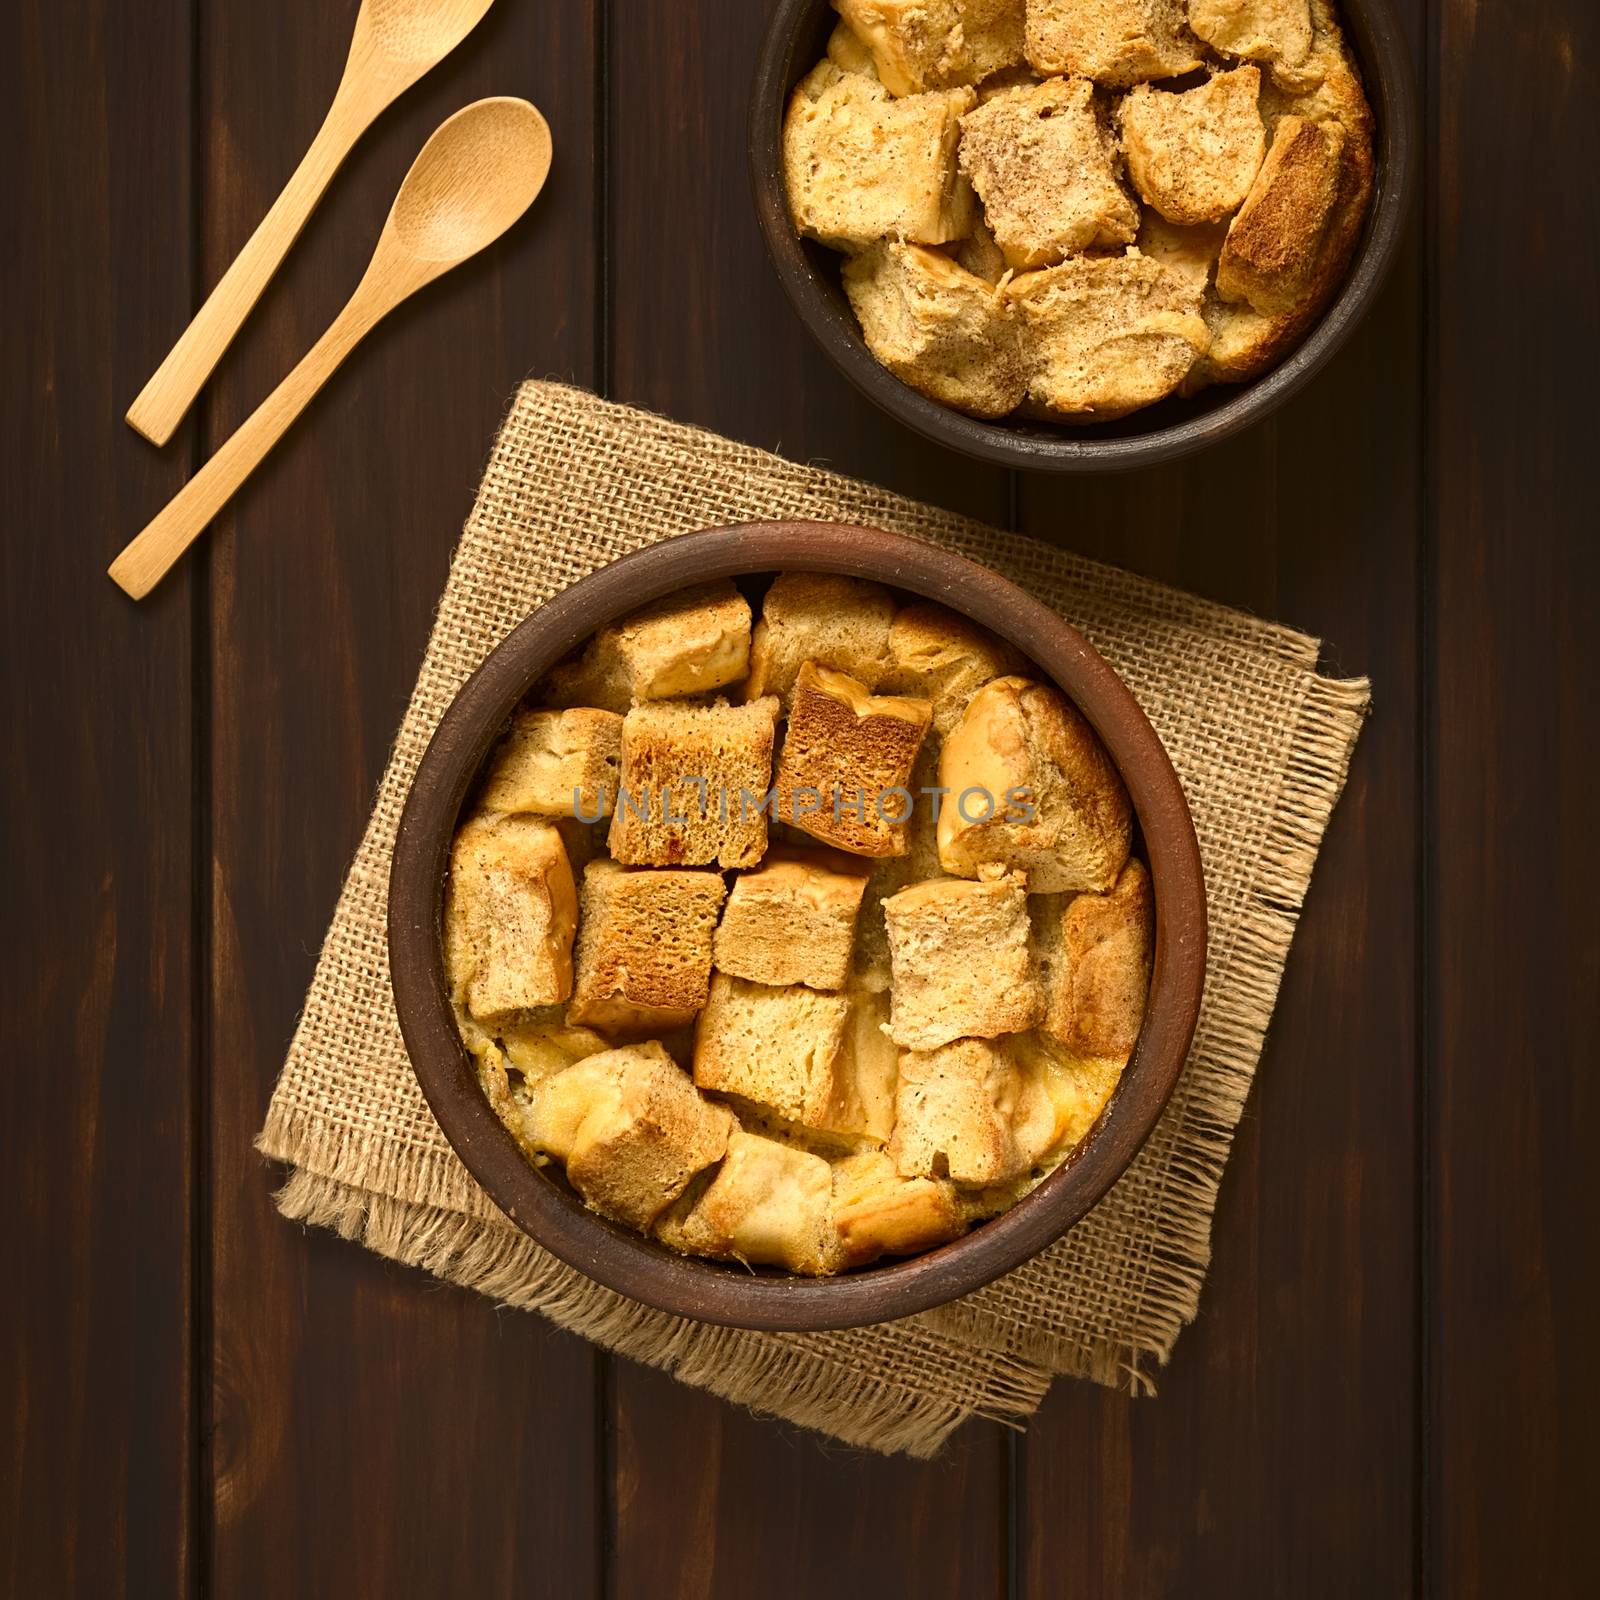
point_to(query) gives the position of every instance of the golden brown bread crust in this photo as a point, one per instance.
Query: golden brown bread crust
(845, 754)
(644, 947)
(1275, 246)
(1193, 154)
(824, 617)
(945, 658)
(1024, 746)
(962, 961)
(693, 784)
(1095, 953)
(916, 45)
(1115, 42)
(793, 919)
(878, 1213)
(1046, 172)
(937, 327)
(556, 764)
(510, 911)
(861, 165)
(1262, 30)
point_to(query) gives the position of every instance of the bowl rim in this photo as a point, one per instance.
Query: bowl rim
(641, 1268)
(1378, 39)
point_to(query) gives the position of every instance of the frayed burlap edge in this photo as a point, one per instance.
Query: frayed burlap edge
(493, 1257)
(1217, 1080)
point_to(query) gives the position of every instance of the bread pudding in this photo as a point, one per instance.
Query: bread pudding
(1067, 210)
(799, 925)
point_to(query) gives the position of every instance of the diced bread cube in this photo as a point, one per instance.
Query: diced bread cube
(1194, 154)
(1046, 171)
(779, 1049)
(972, 1111)
(1106, 335)
(694, 784)
(937, 327)
(1262, 30)
(768, 1204)
(963, 965)
(1115, 42)
(1323, 86)
(869, 1070)
(793, 919)
(861, 165)
(845, 769)
(689, 643)
(1095, 954)
(644, 947)
(945, 658)
(824, 617)
(1274, 247)
(1032, 791)
(878, 1213)
(936, 44)
(510, 911)
(631, 1129)
(557, 764)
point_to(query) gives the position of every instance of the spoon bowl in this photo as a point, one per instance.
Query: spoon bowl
(478, 173)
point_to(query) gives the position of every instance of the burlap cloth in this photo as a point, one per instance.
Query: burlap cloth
(1260, 741)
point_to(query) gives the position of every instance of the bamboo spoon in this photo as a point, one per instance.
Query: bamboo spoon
(395, 43)
(478, 173)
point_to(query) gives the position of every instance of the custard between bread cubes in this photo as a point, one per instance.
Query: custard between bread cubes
(1070, 209)
(800, 933)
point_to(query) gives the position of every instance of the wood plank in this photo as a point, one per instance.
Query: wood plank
(374, 1434)
(1514, 1020)
(707, 1500)
(97, 1003)
(1281, 1454)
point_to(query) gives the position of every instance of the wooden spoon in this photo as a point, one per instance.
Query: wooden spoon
(478, 173)
(395, 43)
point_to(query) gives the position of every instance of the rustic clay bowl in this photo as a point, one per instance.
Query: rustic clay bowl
(796, 39)
(540, 1201)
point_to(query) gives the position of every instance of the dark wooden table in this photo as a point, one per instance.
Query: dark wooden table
(1390, 1387)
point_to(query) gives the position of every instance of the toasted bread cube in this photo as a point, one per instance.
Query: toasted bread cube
(631, 1129)
(557, 764)
(1106, 335)
(1046, 172)
(1191, 253)
(835, 621)
(694, 784)
(936, 327)
(1323, 86)
(878, 1213)
(644, 947)
(1095, 954)
(845, 770)
(768, 1204)
(1274, 246)
(848, 51)
(973, 1111)
(963, 965)
(945, 658)
(869, 1070)
(510, 911)
(777, 1048)
(1115, 42)
(1194, 154)
(860, 165)
(689, 643)
(1262, 30)
(936, 44)
(793, 920)
(1032, 791)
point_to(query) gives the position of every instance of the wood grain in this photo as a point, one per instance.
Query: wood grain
(96, 1006)
(373, 1434)
(1513, 988)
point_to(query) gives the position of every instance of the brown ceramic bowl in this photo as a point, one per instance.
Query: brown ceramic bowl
(797, 37)
(540, 1201)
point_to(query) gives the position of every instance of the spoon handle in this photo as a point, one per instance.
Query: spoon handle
(150, 556)
(170, 392)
